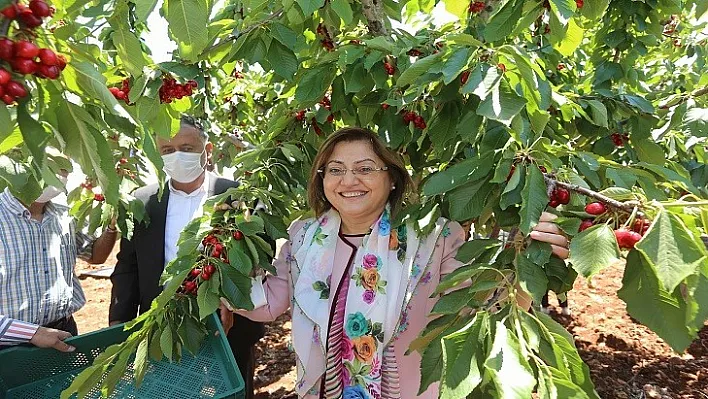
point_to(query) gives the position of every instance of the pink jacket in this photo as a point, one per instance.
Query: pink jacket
(279, 295)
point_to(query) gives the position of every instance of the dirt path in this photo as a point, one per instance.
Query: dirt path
(627, 361)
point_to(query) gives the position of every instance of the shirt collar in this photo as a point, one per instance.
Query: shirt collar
(13, 204)
(203, 189)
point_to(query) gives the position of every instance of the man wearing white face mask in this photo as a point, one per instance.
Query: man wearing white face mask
(39, 244)
(142, 259)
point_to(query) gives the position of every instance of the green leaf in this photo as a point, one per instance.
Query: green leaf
(188, 21)
(472, 249)
(207, 300)
(649, 152)
(283, 34)
(283, 60)
(452, 303)
(508, 370)
(468, 201)
(90, 80)
(444, 125)
(502, 105)
(593, 249)
(531, 277)
(598, 113)
(143, 9)
(431, 365)
(455, 64)
(671, 251)
(237, 289)
(457, 7)
(462, 353)
(240, 261)
(563, 10)
(310, 6)
(571, 41)
(595, 9)
(502, 23)
(535, 199)
(129, 50)
(34, 136)
(314, 84)
(416, 70)
(344, 10)
(166, 341)
(483, 79)
(663, 312)
(141, 361)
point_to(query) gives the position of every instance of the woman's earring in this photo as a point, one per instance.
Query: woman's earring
(393, 187)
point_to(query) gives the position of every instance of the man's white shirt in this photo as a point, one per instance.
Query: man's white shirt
(182, 208)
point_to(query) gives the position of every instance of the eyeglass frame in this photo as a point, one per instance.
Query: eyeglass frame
(323, 172)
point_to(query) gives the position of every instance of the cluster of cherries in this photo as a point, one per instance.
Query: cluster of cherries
(417, 120)
(25, 57)
(626, 238)
(89, 187)
(619, 139)
(99, 197)
(326, 41)
(326, 103)
(122, 92)
(414, 52)
(559, 196)
(476, 7)
(29, 15)
(170, 89)
(215, 249)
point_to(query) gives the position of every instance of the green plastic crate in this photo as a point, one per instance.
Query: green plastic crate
(34, 373)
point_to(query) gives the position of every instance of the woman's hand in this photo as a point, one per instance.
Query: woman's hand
(547, 231)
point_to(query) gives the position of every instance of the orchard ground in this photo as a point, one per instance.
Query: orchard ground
(626, 359)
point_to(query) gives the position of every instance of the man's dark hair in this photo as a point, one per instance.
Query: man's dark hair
(191, 121)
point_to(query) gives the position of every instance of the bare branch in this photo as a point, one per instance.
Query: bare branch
(625, 206)
(373, 11)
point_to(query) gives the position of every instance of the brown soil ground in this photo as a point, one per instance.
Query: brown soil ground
(627, 361)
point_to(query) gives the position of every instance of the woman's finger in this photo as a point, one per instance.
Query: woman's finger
(548, 227)
(550, 238)
(560, 252)
(547, 217)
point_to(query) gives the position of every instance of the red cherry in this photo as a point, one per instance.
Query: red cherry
(5, 76)
(553, 203)
(40, 8)
(49, 72)
(99, 197)
(7, 49)
(195, 272)
(10, 12)
(464, 77)
(8, 99)
(627, 239)
(205, 275)
(190, 285)
(29, 19)
(48, 57)
(595, 208)
(123, 161)
(25, 49)
(24, 66)
(563, 196)
(385, 106)
(502, 67)
(238, 235)
(15, 89)
(61, 61)
(193, 84)
(579, 3)
(210, 269)
(585, 224)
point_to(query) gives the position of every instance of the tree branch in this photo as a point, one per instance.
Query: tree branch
(5, 27)
(373, 11)
(624, 206)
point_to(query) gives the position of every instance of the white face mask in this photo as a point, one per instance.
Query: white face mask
(183, 167)
(51, 192)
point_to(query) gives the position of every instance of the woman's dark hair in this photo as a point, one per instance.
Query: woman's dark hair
(396, 169)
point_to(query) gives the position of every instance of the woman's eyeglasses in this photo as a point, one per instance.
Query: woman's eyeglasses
(361, 171)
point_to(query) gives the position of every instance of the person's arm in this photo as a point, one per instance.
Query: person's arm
(15, 332)
(125, 295)
(277, 290)
(96, 250)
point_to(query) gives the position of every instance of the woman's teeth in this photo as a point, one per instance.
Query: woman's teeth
(353, 194)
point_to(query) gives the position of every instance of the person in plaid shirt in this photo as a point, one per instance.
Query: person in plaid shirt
(39, 243)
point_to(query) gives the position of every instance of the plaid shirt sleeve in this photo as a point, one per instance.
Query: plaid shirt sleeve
(84, 245)
(13, 332)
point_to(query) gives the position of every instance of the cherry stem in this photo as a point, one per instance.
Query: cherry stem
(625, 206)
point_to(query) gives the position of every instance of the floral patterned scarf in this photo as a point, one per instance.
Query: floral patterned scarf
(381, 285)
